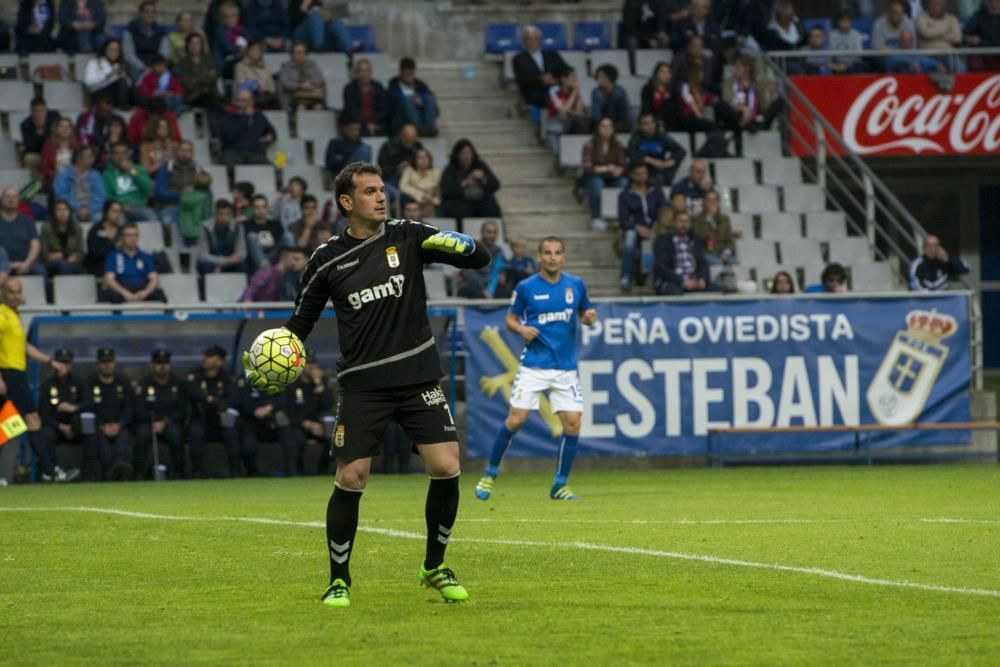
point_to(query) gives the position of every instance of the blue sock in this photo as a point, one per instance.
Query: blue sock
(500, 446)
(567, 452)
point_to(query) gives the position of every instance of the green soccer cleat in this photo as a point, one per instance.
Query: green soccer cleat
(485, 487)
(443, 580)
(337, 595)
(562, 493)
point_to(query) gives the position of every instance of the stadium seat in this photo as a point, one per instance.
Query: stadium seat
(434, 283)
(804, 198)
(871, 277)
(316, 124)
(15, 176)
(502, 38)
(590, 35)
(335, 93)
(508, 65)
(180, 287)
(151, 236)
(333, 65)
(801, 252)
(74, 290)
(10, 67)
(735, 172)
(33, 290)
(742, 222)
(755, 253)
(224, 287)
(262, 176)
(647, 59)
(553, 35)
(17, 97)
(762, 145)
(577, 60)
(202, 150)
(187, 125)
(274, 61)
(376, 143)
(616, 57)
(864, 25)
(362, 37)
(279, 119)
(220, 179)
(294, 150)
(781, 171)
(36, 60)
(826, 225)
(758, 199)
(80, 61)
(698, 140)
(63, 95)
(609, 203)
(9, 157)
(781, 226)
(446, 224)
(571, 149)
(849, 250)
(313, 176)
(633, 88)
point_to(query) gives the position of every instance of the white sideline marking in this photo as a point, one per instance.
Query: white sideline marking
(637, 551)
(950, 520)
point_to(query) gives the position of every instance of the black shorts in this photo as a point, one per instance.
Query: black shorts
(422, 410)
(19, 390)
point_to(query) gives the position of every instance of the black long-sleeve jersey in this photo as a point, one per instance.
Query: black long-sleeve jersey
(377, 289)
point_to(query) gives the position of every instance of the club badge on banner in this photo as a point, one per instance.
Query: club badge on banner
(657, 377)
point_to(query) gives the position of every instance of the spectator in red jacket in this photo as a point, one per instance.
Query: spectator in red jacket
(143, 115)
(159, 83)
(57, 152)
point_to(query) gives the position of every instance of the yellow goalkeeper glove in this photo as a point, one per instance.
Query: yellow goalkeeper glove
(452, 243)
(256, 380)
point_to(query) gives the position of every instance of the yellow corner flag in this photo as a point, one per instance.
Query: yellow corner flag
(11, 423)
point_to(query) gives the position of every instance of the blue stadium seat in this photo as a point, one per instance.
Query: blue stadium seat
(864, 25)
(553, 36)
(362, 37)
(824, 23)
(588, 35)
(501, 37)
(117, 30)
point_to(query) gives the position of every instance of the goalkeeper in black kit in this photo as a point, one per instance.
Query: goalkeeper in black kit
(388, 368)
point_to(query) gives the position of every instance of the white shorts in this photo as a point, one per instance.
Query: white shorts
(563, 388)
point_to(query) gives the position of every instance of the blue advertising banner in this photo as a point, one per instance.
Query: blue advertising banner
(657, 376)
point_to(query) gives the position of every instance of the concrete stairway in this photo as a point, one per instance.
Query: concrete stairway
(535, 199)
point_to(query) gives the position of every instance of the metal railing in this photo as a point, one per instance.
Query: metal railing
(954, 60)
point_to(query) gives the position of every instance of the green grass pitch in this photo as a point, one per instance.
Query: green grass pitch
(836, 566)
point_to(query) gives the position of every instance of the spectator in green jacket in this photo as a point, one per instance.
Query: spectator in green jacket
(129, 185)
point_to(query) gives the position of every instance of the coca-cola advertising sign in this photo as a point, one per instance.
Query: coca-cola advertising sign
(903, 114)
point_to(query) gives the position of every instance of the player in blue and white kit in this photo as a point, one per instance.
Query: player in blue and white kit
(544, 311)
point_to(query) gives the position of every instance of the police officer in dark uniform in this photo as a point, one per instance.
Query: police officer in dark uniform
(268, 418)
(315, 401)
(60, 401)
(109, 397)
(159, 411)
(212, 403)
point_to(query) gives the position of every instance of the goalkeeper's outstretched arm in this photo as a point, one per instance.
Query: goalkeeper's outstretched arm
(313, 296)
(456, 249)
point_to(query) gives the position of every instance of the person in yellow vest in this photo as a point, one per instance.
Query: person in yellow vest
(14, 353)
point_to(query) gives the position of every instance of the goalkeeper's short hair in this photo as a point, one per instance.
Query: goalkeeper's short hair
(344, 183)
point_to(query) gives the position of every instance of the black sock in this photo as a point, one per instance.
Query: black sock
(442, 506)
(341, 525)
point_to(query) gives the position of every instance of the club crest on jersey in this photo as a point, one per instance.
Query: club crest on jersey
(392, 256)
(338, 436)
(903, 383)
(569, 295)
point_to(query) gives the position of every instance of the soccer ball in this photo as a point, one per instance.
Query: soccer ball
(279, 356)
